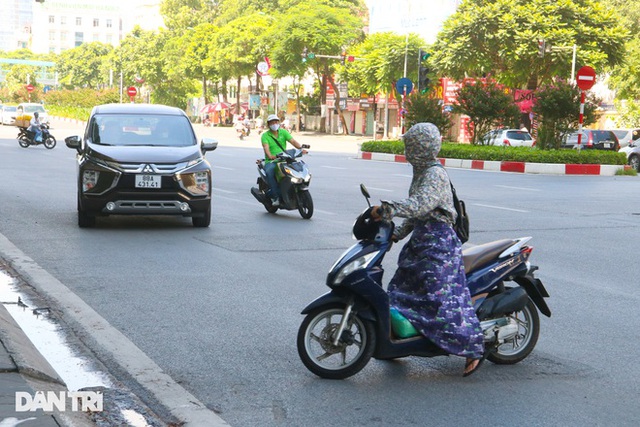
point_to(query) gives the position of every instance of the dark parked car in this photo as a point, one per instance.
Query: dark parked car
(141, 159)
(593, 139)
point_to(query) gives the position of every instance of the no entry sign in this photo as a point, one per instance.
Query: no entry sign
(132, 91)
(586, 77)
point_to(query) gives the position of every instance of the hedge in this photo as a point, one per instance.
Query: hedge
(451, 150)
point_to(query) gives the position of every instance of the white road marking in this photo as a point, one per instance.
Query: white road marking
(403, 175)
(223, 191)
(380, 189)
(222, 167)
(333, 167)
(501, 208)
(518, 188)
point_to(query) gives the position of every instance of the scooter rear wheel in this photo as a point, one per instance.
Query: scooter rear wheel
(24, 142)
(321, 356)
(518, 348)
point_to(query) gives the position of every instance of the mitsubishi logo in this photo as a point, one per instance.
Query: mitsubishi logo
(147, 169)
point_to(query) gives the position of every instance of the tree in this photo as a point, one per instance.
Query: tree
(180, 15)
(324, 30)
(425, 108)
(198, 47)
(558, 107)
(85, 66)
(382, 64)
(625, 77)
(500, 38)
(487, 105)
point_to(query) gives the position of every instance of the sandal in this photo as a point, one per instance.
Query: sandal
(469, 363)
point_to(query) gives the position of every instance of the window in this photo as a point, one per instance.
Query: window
(52, 36)
(52, 19)
(63, 20)
(109, 23)
(78, 21)
(109, 39)
(79, 38)
(96, 37)
(96, 22)
(63, 37)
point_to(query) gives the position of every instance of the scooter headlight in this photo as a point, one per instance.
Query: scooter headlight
(355, 265)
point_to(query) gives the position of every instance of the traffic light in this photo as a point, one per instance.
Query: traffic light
(423, 79)
(541, 48)
(423, 55)
(305, 53)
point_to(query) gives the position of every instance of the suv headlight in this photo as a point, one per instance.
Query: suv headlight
(355, 265)
(89, 179)
(197, 183)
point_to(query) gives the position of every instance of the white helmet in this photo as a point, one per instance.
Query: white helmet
(272, 117)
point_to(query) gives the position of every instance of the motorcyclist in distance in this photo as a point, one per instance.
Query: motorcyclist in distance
(34, 126)
(274, 141)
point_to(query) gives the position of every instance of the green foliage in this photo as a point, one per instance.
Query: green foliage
(514, 154)
(85, 66)
(558, 108)
(500, 38)
(77, 103)
(424, 108)
(382, 62)
(629, 114)
(627, 172)
(487, 106)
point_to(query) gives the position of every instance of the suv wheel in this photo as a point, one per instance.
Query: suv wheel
(634, 161)
(84, 219)
(202, 221)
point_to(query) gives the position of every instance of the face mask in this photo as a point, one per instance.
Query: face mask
(274, 127)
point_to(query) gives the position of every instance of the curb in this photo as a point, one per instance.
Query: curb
(180, 403)
(507, 166)
(23, 353)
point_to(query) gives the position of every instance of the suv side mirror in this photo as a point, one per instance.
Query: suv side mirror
(208, 144)
(74, 142)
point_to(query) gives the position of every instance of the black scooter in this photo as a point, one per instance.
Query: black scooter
(27, 137)
(293, 177)
(353, 322)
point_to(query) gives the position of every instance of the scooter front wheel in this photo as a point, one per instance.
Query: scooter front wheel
(305, 204)
(50, 142)
(316, 343)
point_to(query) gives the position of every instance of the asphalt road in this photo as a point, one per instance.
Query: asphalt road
(218, 308)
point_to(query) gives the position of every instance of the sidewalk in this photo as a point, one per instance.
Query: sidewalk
(23, 369)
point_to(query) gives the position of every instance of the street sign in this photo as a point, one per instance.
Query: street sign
(132, 91)
(586, 77)
(404, 86)
(30, 88)
(263, 68)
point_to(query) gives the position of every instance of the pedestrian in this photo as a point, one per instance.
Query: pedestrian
(429, 287)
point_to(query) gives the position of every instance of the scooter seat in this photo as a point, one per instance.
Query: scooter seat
(477, 256)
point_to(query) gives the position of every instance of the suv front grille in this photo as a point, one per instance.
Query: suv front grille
(167, 168)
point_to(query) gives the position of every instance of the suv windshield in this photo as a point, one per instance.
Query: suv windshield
(147, 129)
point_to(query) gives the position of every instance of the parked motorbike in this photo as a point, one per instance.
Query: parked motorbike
(353, 322)
(293, 177)
(27, 137)
(242, 131)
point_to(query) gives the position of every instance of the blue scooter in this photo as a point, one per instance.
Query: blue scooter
(353, 322)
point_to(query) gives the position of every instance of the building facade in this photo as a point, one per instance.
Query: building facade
(57, 25)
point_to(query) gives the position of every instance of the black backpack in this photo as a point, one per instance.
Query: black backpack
(461, 226)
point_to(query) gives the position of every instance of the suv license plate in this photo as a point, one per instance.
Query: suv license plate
(607, 145)
(148, 181)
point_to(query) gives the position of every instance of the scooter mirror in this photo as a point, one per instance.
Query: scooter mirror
(365, 193)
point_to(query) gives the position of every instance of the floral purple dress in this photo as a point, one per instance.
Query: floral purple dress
(429, 287)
